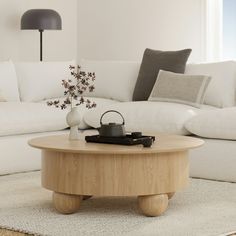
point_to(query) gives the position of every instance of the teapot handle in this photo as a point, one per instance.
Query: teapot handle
(109, 112)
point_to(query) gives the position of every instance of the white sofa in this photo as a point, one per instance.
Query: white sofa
(25, 88)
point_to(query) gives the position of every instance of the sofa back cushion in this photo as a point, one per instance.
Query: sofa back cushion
(114, 79)
(8, 82)
(221, 89)
(42, 80)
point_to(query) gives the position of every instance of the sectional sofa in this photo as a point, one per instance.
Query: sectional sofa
(25, 87)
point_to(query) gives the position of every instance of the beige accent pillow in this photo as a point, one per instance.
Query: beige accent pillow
(180, 88)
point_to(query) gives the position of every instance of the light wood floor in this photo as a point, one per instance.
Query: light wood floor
(4, 232)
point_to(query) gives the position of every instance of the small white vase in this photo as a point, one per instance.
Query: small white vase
(73, 120)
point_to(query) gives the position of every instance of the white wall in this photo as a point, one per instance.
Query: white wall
(122, 29)
(24, 45)
(105, 29)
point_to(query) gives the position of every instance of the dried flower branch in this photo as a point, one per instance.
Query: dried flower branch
(75, 87)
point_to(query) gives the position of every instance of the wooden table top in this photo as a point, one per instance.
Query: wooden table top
(163, 143)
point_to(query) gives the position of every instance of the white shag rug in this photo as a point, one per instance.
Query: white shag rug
(206, 208)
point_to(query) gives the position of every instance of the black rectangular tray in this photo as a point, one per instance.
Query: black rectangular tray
(146, 141)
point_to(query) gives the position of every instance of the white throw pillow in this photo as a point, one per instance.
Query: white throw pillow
(42, 80)
(114, 79)
(221, 89)
(8, 82)
(219, 123)
(147, 117)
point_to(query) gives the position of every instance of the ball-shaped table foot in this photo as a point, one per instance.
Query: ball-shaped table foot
(66, 203)
(153, 205)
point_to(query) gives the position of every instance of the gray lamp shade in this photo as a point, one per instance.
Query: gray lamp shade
(41, 19)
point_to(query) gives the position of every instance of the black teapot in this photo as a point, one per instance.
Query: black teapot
(112, 129)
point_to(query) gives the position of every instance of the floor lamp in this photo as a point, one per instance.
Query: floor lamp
(41, 19)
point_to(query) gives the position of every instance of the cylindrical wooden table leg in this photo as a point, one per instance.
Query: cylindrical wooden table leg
(153, 205)
(66, 203)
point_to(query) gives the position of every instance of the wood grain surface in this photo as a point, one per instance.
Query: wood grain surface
(163, 143)
(115, 174)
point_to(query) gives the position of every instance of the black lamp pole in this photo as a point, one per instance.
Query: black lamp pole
(41, 44)
(41, 19)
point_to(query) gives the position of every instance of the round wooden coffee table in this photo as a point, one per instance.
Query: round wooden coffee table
(76, 169)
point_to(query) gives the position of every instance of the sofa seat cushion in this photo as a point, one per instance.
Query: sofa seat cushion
(146, 116)
(24, 118)
(218, 124)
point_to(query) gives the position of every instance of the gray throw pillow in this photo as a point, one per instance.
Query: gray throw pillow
(180, 88)
(152, 62)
